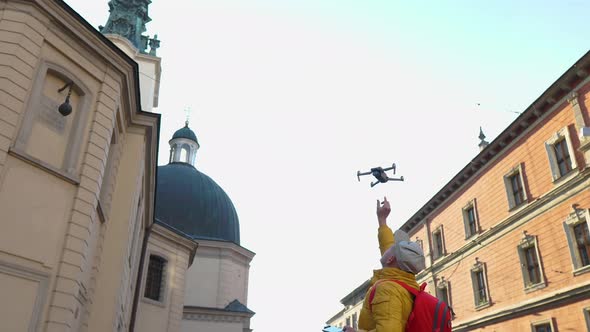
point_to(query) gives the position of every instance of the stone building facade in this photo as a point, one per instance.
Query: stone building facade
(506, 240)
(82, 246)
(71, 185)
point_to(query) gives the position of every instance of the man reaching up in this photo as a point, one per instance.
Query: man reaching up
(388, 305)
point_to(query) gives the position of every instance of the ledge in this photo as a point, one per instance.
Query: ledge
(551, 300)
(562, 179)
(153, 302)
(17, 153)
(483, 306)
(582, 270)
(532, 288)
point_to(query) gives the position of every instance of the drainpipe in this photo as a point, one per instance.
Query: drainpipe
(429, 235)
(139, 278)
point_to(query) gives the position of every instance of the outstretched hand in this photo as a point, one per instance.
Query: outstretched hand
(383, 210)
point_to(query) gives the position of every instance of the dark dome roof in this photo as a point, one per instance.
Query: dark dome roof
(193, 203)
(185, 132)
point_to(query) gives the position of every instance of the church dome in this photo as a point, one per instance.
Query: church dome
(189, 200)
(193, 203)
(185, 132)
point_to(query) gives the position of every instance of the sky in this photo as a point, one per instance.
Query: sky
(290, 98)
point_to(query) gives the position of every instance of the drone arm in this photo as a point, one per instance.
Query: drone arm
(393, 179)
(390, 168)
(359, 174)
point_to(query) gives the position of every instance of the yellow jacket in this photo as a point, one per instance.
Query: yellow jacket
(392, 304)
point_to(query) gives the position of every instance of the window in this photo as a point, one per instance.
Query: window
(582, 239)
(135, 230)
(442, 291)
(354, 321)
(562, 157)
(544, 326)
(578, 237)
(154, 282)
(560, 153)
(438, 246)
(515, 189)
(470, 219)
(420, 243)
(109, 175)
(530, 263)
(480, 286)
(184, 155)
(587, 318)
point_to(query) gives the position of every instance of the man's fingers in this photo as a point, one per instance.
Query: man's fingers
(384, 199)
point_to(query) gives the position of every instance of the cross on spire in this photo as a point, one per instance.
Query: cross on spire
(188, 111)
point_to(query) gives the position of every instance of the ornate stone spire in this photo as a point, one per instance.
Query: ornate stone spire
(128, 19)
(483, 143)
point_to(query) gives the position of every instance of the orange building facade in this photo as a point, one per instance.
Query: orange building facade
(506, 240)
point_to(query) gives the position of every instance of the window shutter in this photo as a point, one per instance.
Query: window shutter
(466, 223)
(570, 148)
(552, 161)
(571, 243)
(522, 259)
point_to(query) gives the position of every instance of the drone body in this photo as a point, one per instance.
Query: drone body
(380, 175)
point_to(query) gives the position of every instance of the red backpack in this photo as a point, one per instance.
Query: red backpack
(428, 313)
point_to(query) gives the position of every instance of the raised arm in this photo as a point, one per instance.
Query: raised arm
(385, 234)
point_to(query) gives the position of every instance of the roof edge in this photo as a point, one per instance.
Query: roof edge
(569, 81)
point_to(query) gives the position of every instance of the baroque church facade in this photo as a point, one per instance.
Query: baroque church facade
(95, 236)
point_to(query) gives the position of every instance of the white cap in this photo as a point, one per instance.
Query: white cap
(408, 254)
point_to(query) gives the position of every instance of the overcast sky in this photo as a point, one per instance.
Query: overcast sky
(291, 97)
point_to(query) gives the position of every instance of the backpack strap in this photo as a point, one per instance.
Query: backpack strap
(412, 290)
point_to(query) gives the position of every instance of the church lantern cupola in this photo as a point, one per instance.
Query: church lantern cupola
(184, 146)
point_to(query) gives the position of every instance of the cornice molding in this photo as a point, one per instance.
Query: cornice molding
(211, 247)
(175, 238)
(214, 315)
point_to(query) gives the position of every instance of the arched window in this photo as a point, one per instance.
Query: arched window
(156, 279)
(45, 136)
(183, 154)
(172, 153)
(108, 179)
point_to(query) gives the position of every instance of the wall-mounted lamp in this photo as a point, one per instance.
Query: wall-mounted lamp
(66, 108)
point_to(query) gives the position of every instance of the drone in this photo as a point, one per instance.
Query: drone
(380, 175)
